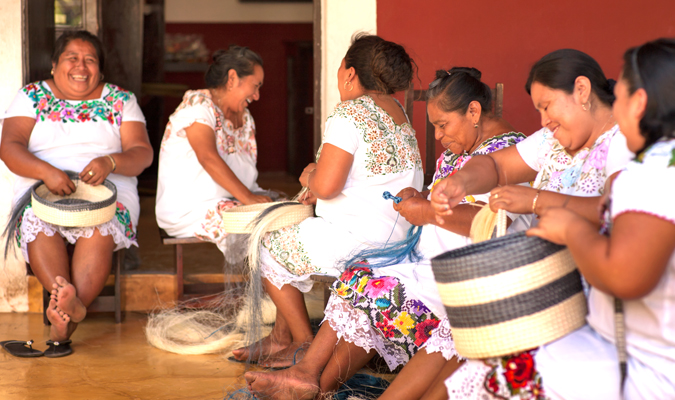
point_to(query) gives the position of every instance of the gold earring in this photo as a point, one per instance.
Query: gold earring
(52, 72)
(584, 106)
(351, 87)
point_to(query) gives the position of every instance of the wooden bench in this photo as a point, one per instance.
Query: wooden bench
(196, 285)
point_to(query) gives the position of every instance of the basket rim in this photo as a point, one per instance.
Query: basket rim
(80, 207)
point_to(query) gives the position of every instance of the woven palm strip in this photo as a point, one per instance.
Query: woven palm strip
(87, 206)
(238, 219)
(502, 295)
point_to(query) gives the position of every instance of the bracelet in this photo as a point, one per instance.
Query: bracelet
(534, 202)
(112, 160)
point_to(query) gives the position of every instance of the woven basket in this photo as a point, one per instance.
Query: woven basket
(509, 294)
(238, 219)
(87, 206)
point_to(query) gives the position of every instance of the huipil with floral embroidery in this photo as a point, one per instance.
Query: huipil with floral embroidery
(68, 134)
(401, 301)
(188, 199)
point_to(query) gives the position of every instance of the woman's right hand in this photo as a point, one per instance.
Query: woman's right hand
(409, 192)
(58, 182)
(445, 195)
(255, 199)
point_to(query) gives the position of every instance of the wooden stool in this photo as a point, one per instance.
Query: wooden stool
(108, 300)
(326, 281)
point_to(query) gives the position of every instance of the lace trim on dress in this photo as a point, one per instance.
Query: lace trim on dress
(31, 225)
(354, 327)
(279, 276)
(441, 341)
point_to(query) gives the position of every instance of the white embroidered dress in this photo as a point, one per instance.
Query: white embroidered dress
(189, 201)
(68, 135)
(386, 158)
(583, 174)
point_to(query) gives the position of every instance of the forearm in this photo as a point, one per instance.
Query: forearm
(587, 207)
(22, 162)
(591, 253)
(460, 220)
(222, 174)
(133, 161)
(479, 175)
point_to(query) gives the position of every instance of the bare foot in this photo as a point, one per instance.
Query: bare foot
(261, 349)
(65, 296)
(59, 320)
(287, 357)
(292, 383)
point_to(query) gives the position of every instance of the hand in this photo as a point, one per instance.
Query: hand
(513, 198)
(58, 182)
(445, 195)
(308, 198)
(96, 171)
(415, 210)
(255, 199)
(304, 178)
(553, 224)
(408, 193)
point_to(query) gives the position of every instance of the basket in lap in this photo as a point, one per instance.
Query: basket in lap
(509, 294)
(238, 219)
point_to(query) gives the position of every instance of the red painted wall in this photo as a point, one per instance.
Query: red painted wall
(270, 112)
(504, 39)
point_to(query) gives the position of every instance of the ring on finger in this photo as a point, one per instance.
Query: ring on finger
(496, 196)
(91, 173)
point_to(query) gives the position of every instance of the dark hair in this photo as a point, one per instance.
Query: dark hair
(241, 59)
(455, 89)
(68, 36)
(380, 65)
(559, 70)
(652, 68)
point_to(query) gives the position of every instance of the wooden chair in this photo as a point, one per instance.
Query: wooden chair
(109, 300)
(412, 95)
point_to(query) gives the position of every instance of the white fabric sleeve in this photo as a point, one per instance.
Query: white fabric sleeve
(618, 155)
(132, 111)
(530, 149)
(341, 132)
(187, 116)
(647, 189)
(21, 106)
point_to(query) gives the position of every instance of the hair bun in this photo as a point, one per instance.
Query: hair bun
(610, 85)
(473, 72)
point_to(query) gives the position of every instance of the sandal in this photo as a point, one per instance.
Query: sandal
(58, 349)
(18, 348)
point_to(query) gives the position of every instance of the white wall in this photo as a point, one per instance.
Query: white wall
(12, 271)
(340, 19)
(196, 11)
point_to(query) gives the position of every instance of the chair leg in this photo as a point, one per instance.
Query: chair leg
(178, 250)
(45, 304)
(118, 287)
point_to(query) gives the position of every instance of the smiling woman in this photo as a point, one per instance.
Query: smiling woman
(74, 122)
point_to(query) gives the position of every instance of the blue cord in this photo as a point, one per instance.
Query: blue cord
(389, 196)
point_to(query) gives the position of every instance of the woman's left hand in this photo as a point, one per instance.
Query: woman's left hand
(304, 178)
(96, 171)
(415, 210)
(308, 198)
(553, 224)
(512, 198)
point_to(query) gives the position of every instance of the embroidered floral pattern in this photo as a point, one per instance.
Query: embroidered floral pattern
(583, 172)
(514, 377)
(228, 139)
(287, 249)
(407, 323)
(48, 107)
(211, 227)
(392, 148)
(449, 163)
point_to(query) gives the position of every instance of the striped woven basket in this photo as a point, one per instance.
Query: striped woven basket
(509, 294)
(87, 206)
(238, 219)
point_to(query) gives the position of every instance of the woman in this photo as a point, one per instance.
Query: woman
(207, 162)
(393, 309)
(75, 121)
(636, 262)
(368, 148)
(569, 160)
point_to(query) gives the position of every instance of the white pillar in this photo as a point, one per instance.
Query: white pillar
(340, 19)
(13, 291)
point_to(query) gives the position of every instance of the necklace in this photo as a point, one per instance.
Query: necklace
(602, 130)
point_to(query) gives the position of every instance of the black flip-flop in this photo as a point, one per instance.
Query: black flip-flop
(231, 358)
(58, 348)
(18, 348)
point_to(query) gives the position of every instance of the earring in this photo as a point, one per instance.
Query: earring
(584, 106)
(52, 72)
(475, 126)
(102, 76)
(351, 87)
